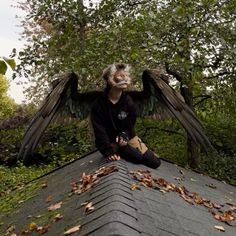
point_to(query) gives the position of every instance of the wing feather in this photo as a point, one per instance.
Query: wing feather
(63, 100)
(158, 97)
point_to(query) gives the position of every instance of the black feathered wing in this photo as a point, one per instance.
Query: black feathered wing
(63, 101)
(158, 97)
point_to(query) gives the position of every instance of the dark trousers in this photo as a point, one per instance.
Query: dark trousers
(131, 154)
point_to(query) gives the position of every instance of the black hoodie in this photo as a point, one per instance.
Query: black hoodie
(109, 120)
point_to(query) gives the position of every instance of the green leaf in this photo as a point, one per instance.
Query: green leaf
(11, 62)
(3, 67)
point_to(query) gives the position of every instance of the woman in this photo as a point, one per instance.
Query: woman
(113, 118)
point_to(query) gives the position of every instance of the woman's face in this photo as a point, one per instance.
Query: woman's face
(121, 79)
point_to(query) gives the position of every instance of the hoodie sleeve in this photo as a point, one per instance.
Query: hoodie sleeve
(102, 141)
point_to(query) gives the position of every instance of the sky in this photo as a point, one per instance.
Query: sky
(9, 39)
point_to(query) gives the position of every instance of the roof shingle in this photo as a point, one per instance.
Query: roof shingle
(118, 210)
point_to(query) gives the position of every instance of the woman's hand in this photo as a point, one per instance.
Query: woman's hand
(114, 157)
(121, 141)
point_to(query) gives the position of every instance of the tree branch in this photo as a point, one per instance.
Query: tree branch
(165, 130)
(218, 75)
(172, 72)
(135, 3)
(204, 97)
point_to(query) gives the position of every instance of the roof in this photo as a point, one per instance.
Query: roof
(119, 207)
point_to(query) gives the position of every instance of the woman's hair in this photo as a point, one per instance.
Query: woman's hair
(113, 68)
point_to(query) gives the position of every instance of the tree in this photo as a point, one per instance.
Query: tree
(194, 41)
(7, 104)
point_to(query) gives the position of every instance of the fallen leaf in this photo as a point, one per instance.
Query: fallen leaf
(54, 207)
(88, 181)
(233, 208)
(216, 206)
(163, 191)
(13, 235)
(84, 203)
(219, 227)
(43, 229)
(229, 203)
(211, 186)
(72, 230)
(49, 199)
(187, 199)
(10, 229)
(134, 186)
(57, 217)
(89, 207)
(44, 185)
(145, 178)
(226, 217)
(178, 178)
(193, 180)
(33, 226)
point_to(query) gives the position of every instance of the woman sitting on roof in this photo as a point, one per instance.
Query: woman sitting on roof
(113, 119)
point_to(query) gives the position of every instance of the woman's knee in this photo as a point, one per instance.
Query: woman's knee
(131, 154)
(151, 159)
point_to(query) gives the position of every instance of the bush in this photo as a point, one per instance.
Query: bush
(166, 138)
(221, 130)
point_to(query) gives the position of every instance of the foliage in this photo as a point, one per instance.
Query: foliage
(60, 145)
(63, 143)
(21, 116)
(220, 166)
(166, 138)
(15, 178)
(7, 105)
(194, 41)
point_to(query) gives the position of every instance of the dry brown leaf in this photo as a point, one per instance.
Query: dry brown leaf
(193, 180)
(187, 199)
(216, 206)
(10, 229)
(33, 226)
(89, 207)
(57, 217)
(72, 230)
(13, 235)
(88, 181)
(84, 203)
(219, 227)
(135, 186)
(163, 191)
(230, 203)
(49, 199)
(178, 178)
(211, 186)
(43, 229)
(226, 217)
(146, 179)
(44, 185)
(208, 204)
(54, 207)
(233, 208)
